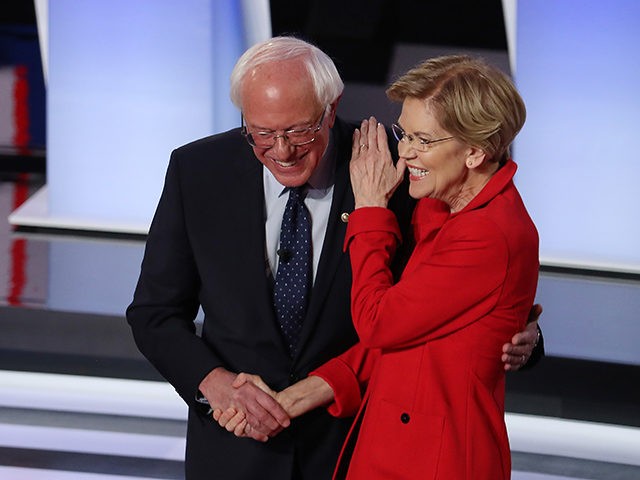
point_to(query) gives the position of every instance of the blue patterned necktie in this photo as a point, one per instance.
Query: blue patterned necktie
(293, 279)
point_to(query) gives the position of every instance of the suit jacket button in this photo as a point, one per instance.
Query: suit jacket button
(344, 217)
(404, 418)
(293, 378)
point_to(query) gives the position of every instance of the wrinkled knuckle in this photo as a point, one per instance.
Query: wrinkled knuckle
(262, 417)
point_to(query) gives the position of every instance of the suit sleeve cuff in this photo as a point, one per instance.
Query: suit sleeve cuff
(371, 219)
(344, 383)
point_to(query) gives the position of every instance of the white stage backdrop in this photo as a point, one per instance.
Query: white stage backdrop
(128, 81)
(578, 69)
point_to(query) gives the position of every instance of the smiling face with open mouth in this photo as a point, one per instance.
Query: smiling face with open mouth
(280, 98)
(435, 159)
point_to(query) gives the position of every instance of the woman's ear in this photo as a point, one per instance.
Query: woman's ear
(475, 157)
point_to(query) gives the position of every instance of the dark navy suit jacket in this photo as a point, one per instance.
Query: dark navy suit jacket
(206, 247)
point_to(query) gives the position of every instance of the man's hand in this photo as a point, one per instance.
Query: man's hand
(251, 399)
(516, 354)
(301, 397)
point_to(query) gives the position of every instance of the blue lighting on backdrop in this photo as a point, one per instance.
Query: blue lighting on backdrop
(129, 82)
(578, 70)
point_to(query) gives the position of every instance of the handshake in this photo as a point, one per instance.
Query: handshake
(246, 406)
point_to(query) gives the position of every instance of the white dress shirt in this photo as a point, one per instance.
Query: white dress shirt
(318, 201)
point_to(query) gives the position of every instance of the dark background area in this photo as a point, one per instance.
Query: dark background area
(360, 34)
(19, 47)
(17, 12)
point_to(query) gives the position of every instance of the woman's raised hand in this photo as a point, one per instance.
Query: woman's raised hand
(374, 177)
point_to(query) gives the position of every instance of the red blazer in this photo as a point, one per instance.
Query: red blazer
(430, 344)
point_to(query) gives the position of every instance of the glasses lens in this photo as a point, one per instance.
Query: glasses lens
(262, 139)
(301, 137)
(397, 132)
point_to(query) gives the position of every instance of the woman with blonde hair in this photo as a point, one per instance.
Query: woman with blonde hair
(434, 403)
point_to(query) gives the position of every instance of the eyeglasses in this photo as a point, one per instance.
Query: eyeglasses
(421, 144)
(295, 137)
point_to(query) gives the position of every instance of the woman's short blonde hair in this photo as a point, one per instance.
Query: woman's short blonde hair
(471, 99)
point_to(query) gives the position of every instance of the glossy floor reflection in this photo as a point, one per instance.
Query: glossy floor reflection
(77, 401)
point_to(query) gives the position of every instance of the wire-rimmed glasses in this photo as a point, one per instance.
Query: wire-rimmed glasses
(295, 137)
(419, 143)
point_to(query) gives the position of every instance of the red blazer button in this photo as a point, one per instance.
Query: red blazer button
(404, 418)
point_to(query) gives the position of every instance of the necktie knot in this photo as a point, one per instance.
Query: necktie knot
(297, 194)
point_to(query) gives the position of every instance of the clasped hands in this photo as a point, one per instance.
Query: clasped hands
(246, 406)
(266, 422)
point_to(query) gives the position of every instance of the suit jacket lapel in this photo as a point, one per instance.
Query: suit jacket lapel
(255, 246)
(240, 238)
(332, 254)
(248, 239)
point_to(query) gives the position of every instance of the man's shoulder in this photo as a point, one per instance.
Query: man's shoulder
(231, 139)
(222, 152)
(343, 130)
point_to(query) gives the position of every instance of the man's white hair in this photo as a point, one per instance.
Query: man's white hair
(322, 71)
